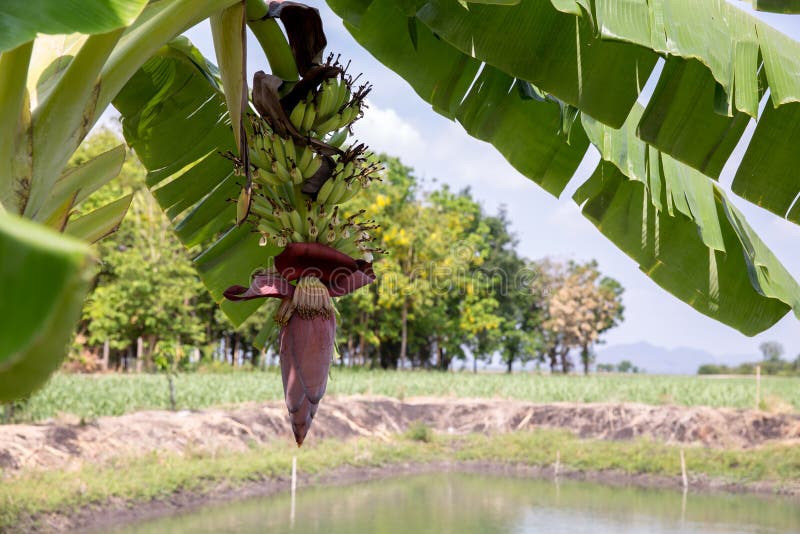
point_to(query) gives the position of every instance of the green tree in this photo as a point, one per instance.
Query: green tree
(146, 286)
(771, 350)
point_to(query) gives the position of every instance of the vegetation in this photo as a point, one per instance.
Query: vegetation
(159, 476)
(454, 285)
(772, 364)
(625, 366)
(88, 396)
(654, 194)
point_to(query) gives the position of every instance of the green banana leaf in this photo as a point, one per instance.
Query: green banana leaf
(99, 223)
(768, 174)
(528, 132)
(684, 233)
(20, 21)
(44, 277)
(174, 115)
(651, 203)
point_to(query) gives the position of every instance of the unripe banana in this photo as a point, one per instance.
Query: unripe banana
(324, 192)
(339, 189)
(308, 118)
(289, 191)
(325, 100)
(285, 218)
(290, 151)
(329, 124)
(282, 172)
(343, 95)
(265, 177)
(297, 176)
(312, 168)
(338, 138)
(264, 226)
(348, 115)
(304, 157)
(257, 159)
(297, 222)
(277, 149)
(350, 191)
(299, 111)
(312, 229)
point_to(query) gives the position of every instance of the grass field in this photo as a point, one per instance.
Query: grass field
(89, 396)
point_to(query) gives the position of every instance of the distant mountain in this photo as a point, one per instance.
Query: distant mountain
(659, 360)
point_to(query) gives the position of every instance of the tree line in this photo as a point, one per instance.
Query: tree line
(453, 285)
(771, 363)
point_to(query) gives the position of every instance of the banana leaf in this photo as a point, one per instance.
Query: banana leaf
(174, 115)
(651, 203)
(44, 278)
(20, 21)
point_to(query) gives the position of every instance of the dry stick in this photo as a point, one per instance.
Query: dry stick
(683, 471)
(758, 386)
(558, 464)
(294, 488)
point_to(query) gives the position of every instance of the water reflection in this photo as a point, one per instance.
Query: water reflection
(469, 503)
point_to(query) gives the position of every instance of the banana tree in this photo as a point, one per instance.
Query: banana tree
(61, 64)
(538, 80)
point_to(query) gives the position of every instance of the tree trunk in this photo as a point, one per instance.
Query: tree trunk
(234, 350)
(139, 353)
(351, 350)
(106, 353)
(552, 354)
(566, 365)
(362, 349)
(509, 365)
(585, 359)
(404, 334)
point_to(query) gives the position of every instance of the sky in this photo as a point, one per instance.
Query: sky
(400, 123)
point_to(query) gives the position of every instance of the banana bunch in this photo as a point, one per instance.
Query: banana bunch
(280, 210)
(348, 180)
(280, 160)
(332, 108)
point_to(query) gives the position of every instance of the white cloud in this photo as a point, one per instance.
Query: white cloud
(385, 131)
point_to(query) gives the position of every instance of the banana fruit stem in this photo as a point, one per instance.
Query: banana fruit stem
(272, 41)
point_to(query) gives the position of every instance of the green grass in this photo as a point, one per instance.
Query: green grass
(160, 475)
(89, 396)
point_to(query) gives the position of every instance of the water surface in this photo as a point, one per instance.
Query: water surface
(470, 503)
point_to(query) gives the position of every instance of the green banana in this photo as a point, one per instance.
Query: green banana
(265, 177)
(325, 191)
(297, 114)
(297, 176)
(282, 172)
(257, 159)
(290, 150)
(277, 148)
(342, 96)
(308, 117)
(338, 138)
(351, 190)
(312, 168)
(326, 99)
(304, 157)
(297, 222)
(339, 189)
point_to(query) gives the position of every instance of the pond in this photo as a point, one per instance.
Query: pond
(472, 503)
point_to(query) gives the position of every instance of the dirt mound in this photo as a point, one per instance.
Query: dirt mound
(58, 444)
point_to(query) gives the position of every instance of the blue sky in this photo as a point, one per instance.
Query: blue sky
(400, 123)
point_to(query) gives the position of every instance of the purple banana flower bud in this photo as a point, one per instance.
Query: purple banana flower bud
(308, 324)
